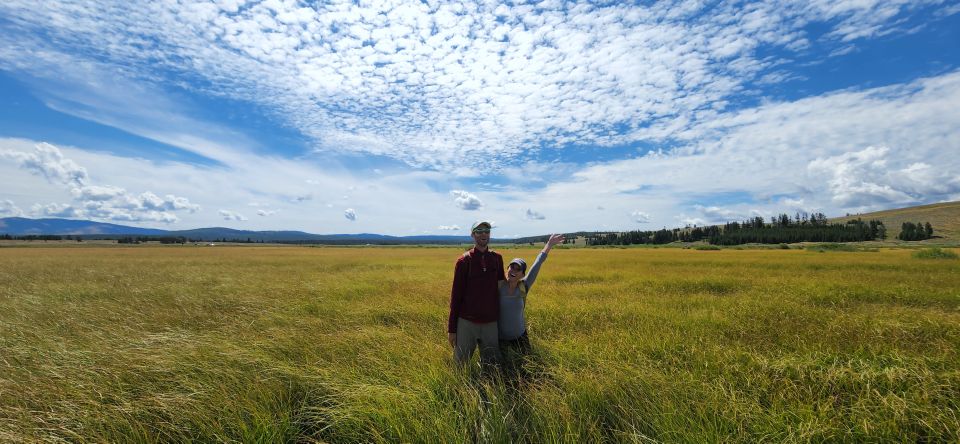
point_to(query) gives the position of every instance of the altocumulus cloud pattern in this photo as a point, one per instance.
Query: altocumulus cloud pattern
(435, 83)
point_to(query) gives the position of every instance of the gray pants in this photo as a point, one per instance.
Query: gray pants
(469, 334)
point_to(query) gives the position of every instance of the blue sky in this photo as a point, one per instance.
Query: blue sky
(421, 117)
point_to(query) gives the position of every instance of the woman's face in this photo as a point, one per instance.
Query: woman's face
(514, 273)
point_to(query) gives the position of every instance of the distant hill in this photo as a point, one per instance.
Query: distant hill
(19, 226)
(945, 218)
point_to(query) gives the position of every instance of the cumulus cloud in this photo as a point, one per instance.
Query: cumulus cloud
(859, 178)
(717, 214)
(437, 84)
(48, 161)
(449, 227)
(350, 214)
(466, 201)
(266, 212)
(152, 202)
(691, 220)
(793, 204)
(97, 193)
(231, 215)
(533, 215)
(94, 201)
(640, 217)
(55, 210)
(9, 209)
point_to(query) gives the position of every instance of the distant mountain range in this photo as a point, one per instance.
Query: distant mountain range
(19, 226)
(945, 218)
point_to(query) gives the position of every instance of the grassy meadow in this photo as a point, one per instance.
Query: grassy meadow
(298, 344)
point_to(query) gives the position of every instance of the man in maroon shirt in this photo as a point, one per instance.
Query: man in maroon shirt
(475, 300)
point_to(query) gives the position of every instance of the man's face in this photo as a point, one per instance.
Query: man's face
(481, 236)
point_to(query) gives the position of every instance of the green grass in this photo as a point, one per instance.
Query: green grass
(289, 344)
(934, 253)
(832, 247)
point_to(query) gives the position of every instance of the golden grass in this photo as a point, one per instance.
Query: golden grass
(291, 344)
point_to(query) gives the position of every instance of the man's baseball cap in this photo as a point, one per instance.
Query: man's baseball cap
(480, 224)
(520, 262)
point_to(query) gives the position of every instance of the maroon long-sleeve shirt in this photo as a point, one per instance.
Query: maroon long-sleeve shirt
(474, 296)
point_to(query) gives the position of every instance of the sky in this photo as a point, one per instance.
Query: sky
(422, 117)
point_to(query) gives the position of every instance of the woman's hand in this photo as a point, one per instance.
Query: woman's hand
(554, 239)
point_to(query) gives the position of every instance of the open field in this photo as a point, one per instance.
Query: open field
(295, 344)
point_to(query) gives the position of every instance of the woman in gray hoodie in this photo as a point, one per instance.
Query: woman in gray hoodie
(514, 342)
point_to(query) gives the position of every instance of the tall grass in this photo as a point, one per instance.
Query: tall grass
(159, 344)
(934, 253)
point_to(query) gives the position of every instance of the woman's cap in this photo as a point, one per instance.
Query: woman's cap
(520, 262)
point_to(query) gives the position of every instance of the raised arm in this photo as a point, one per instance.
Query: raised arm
(553, 240)
(535, 268)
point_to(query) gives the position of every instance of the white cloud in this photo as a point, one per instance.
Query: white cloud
(441, 84)
(231, 215)
(266, 212)
(793, 204)
(9, 209)
(691, 220)
(350, 214)
(869, 178)
(97, 193)
(55, 210)
(104, 202)
(48, 161)
(640, 217)
(533, 215)
(466, 201)
(449, 227)
(856, 179)
(716, 214)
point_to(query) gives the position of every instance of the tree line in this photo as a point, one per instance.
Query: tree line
(913, 232)
(785, 230)
(781, 229)
(36, 237)
(161, 239)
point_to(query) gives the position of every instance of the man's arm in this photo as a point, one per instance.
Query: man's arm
(456, 295)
